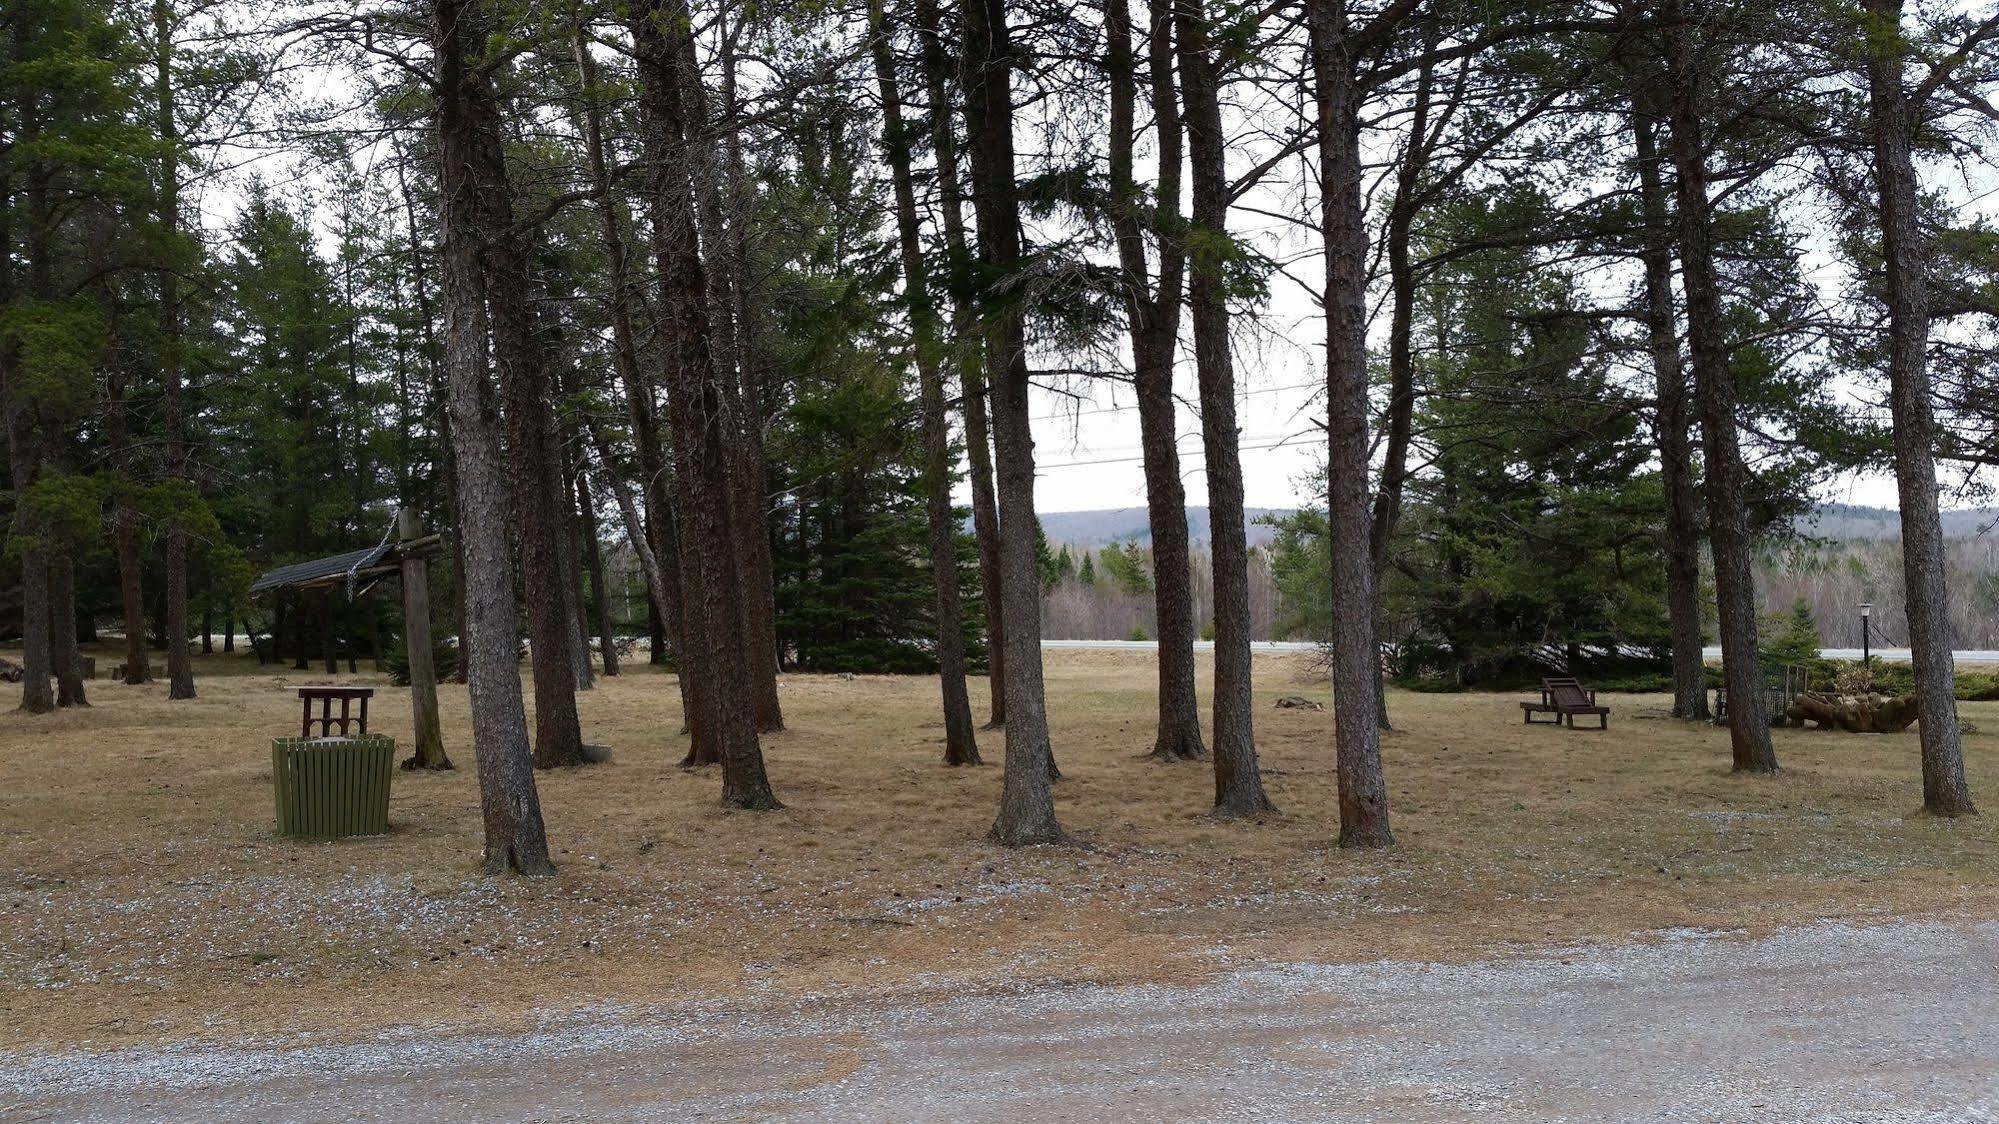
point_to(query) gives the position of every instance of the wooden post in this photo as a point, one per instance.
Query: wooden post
(428, 739)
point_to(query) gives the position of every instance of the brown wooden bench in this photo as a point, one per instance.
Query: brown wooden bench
(326, 718)
(1565, 698)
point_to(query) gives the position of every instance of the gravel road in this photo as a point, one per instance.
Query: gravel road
(1898, 1022)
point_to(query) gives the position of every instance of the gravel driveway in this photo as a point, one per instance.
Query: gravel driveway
(1898, 1022)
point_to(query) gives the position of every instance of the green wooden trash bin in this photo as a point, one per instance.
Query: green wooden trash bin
(333, 787)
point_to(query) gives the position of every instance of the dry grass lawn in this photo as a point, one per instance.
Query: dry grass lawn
(143, 893)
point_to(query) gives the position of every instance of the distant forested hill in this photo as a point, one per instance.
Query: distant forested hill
(1832, 521)
(1846, 554)
(1847, 521)
(1128, 524)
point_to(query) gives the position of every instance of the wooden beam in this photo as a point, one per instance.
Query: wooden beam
(428, 739)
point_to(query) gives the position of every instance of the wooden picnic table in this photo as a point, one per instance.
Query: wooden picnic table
(327, 719)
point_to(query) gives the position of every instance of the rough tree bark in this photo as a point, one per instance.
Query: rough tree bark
(468, 141)
(1895, 120)
(37, 683)
(1363, 791)
(695, 403)
(1673, 428)
(1714, 389)
(433, 355)
(1153, 313)
(23, 423)
(1238, 779)
(65, 662)
(180, 661)
(534, 474)
(743, 383)
(1027, 803)
(125, 534)
(575, 603)
(663, 585)
(961, 744)
(967, 352)
(1411, 191)
(1401, 413)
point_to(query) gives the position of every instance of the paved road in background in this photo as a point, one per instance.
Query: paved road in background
(1827, 1023)
(1199, 645)
(1888, 655)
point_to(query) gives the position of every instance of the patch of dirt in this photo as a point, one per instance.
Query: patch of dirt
(1825, 1022)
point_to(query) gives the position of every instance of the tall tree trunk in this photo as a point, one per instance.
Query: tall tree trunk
(131, 595)
(593, 560)
(38, 694)
(572, 566)
(1363, 790)
(1238, 779)
(536, 487)
(1673, 426)
(663, 601)
(1154, 318)
(533, 472)
(64, 659)
(468, 144)
(696, 403)
(967, 352)
(677, 615)
(180, 662)
(1906, 258)
(1027, 804)
(657, 576)
(125, 536)
(961, 745)
(726, 258)
(691, 664)
(1714, 388)
(1401, 414)
(24, 424)
(657, 653)
(755, 386)
(433, 358)
(461, 596)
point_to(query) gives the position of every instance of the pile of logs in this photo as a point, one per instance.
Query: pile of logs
(1856, 714)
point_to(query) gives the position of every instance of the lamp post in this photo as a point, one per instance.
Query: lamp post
(1866, 648)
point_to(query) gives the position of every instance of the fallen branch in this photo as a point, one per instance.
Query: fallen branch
(1856, 714)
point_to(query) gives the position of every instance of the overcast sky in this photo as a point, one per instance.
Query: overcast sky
(1086, 433)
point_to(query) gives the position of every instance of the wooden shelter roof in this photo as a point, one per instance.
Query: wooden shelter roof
(365, 565)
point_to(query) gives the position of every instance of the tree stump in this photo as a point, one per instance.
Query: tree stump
(1856, 714)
